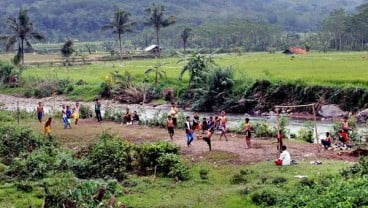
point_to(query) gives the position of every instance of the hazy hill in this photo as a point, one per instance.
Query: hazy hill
(82, 19)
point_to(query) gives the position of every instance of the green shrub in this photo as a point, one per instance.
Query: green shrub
(265, 198)
(238, 178)
(109, 157)
(358, 169)
(85, 112)
(180, 172)
(166, 162)
(309, 182)
(203, 174)
(279, 180)
(24, 186)
(147, 154)
(263, 129)
(16, 140)
(33, 165)
(306, 132)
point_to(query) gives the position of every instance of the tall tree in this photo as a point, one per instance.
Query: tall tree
(184, 36)
(335, 26)
(157, 20)
(67, 50)
(23, 31)
(120, 24)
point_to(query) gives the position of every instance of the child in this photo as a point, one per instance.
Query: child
(135, 117)
(207, 138)
(248, 134)
(188, 130)
(326, 142)
(65, 118)
(345, 129)
(69, 116)
(47, 127)
(211, 123)
(40, 112)
(170, 126)
(127, 117)
(76, 111)
(204, 125)
(285, 158)
(196, 121)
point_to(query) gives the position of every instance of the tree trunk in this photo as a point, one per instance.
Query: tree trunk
(120, 43)
(185, 46)
(158, 41)
(22, 51)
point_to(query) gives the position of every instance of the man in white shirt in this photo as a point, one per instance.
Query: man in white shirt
(284, 158)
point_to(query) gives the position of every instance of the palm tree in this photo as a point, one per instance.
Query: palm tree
(120, 23)
(184, 36)
(23, 30)
(157, 20)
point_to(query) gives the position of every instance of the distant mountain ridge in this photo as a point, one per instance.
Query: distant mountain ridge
(82, 19)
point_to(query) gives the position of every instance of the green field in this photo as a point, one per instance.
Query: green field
(327, 69)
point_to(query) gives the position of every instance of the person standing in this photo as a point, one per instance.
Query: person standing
(223, 122)
(345, 129)
(174, 114)
(188, 130)
(76, 113)
(170, 127)
(248, 134)
(64, 116)
(40, 112)
(204, 125)
(98, 110)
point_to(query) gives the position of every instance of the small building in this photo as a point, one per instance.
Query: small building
(294, 50)
(152, 49)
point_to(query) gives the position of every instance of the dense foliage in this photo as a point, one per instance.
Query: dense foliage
(253, 25)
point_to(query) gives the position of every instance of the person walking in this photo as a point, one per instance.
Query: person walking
(76, 113)
(174, 114)
(170, 127)
(223, 122)
(188, 131)
(248, 134)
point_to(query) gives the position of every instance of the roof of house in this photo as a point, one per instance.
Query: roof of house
(150, 48)
(295, 50)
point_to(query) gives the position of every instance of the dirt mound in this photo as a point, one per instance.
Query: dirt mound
(359, 152)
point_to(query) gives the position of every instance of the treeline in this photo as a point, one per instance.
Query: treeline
(216, 25)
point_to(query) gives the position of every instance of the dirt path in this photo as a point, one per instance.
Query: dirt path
(232, 151)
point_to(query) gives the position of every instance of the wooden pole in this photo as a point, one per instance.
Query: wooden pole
(18, 112)
(315, 123)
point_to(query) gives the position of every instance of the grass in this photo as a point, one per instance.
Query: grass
(213, 192)
(344, 69)
(216, 191)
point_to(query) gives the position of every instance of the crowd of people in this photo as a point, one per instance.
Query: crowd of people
(204, 129)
